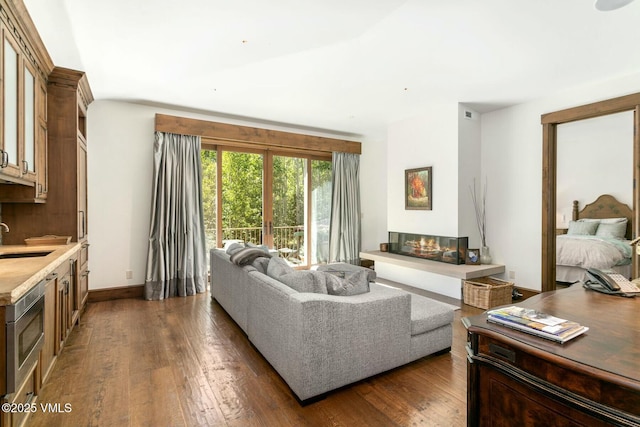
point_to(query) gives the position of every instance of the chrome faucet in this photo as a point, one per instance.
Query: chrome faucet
(5, 226)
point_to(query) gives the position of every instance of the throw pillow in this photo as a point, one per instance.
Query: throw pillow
(277, 267)
(305, 281)
(234, 247)
(246, 256)
(354, 284)
(261, 263)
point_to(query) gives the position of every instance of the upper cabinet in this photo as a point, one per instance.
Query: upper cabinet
(24, 69)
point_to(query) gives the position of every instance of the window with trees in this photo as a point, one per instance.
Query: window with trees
(265, 197)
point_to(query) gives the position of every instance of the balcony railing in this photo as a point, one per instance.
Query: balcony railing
(289, 237)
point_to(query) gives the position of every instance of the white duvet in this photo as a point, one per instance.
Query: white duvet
(591, 251)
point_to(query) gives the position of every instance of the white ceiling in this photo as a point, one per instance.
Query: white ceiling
(350, 66)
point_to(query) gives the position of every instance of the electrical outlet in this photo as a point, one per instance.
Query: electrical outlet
(129, 274)
(512, 275)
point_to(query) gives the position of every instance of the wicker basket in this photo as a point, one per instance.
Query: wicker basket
(487, 292)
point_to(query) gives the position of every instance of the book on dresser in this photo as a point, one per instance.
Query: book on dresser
(536, 323)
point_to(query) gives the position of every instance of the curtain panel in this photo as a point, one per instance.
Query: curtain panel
(344, 228)
(176, 260)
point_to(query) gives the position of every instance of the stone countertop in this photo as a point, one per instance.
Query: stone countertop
(19, 275)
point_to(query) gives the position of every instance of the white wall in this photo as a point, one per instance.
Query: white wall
(512, 161)
(594, 158)
(468, 170)
(373, 189)
(428, 140)
(120, 171)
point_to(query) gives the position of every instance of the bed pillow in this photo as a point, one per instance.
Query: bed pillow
(613, 220)
(615, 230)
(583, 228)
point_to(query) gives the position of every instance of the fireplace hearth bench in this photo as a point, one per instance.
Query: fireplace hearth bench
(319, 342)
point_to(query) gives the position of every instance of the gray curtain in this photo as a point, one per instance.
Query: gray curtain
(176, 261)
(344, 229)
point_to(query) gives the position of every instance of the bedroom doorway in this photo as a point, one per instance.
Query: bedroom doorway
(551, 216)
(265, 197)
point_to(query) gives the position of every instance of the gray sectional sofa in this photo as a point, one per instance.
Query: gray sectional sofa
(318, 342)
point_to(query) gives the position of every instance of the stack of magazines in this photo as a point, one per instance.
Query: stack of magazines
(536, 323)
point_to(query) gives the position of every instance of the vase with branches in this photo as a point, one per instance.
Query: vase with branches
(479, 205)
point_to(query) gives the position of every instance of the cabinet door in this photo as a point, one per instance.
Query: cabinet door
(48, 353)
(64, 310)
(28, 125)
(42, 143)
(82, 191)
(10, 76)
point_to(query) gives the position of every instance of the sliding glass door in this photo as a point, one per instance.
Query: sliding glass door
(281, 200)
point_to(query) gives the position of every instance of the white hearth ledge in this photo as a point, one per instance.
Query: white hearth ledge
(462, 271)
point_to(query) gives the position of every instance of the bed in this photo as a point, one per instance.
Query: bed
(598, 237)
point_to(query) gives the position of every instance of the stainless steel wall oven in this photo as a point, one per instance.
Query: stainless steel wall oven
(24, 329)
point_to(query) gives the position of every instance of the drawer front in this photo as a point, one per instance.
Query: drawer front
(26, 396)
(565, 377)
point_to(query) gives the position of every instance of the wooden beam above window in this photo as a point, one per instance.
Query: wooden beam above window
(257, 136)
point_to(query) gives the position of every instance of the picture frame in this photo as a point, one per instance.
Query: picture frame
(473, 257)
(417, 188)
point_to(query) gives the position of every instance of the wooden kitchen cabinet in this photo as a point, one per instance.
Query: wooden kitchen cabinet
(24, 68)
(65, 212)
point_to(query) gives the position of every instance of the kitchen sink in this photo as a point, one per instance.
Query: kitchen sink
(24, 254)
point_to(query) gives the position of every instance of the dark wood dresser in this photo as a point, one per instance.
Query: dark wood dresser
(516, 379)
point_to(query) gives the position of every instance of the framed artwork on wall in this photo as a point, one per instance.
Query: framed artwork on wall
(417, 188)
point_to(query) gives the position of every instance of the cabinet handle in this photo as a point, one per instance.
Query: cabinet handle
(4, 162)
(30, 396)
(51, 276)
(83, 228)
(510, 355)
(25, 167)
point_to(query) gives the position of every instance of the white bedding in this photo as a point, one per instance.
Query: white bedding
(591, 251)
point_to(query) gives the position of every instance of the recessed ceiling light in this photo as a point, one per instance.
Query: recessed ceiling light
(607, 5)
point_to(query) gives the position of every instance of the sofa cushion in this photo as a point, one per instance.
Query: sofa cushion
(277, 267)
(246, 256)
(427, 314)
(305, 281)
(353, 284)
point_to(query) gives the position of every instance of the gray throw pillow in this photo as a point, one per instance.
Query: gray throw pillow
(354, 284)
(277, 267)
(234, 247)
(261, 263)
(246, 256)
(305, 281)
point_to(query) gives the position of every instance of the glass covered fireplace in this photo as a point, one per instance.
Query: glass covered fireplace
(452, 250)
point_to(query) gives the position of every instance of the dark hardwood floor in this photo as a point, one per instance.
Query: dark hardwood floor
(184, 362)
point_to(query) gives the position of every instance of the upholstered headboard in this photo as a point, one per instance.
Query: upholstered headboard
(605, 206)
